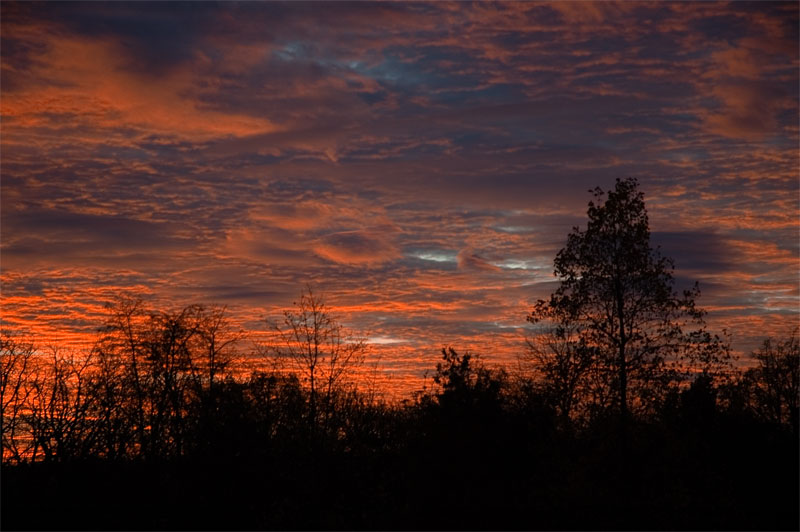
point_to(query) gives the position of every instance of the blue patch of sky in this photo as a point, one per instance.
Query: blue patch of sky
(422, 69)
(434, 255)
(521, 264)
(290, 51)
(395, 72)
(514, 229)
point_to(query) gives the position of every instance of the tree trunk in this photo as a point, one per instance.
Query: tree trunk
(622, 362)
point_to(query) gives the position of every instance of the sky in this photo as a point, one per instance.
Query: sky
(419, 164)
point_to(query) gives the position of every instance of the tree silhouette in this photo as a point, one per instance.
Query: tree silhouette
(325, 353)
(60, 405)
(154, 368)
(617, 296)
(466, 383)
(776, 379)
(562, 363)
(15, 363)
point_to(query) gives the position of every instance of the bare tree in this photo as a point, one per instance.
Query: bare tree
(158, 365)
(59, 405)
(775, 381)
(323, 351)
(15, 362)
(561, 364)
(122, 351)
(113, 398)
(219, 342)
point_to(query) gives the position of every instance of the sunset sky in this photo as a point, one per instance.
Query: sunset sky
(419, 163)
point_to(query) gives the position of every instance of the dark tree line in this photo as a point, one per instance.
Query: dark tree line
(625, 413)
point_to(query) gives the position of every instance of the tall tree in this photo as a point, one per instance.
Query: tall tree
(617, 295)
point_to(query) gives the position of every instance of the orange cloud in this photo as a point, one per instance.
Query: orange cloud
(357, 247)
(85, 80)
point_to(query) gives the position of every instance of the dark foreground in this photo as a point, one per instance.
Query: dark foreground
(424, 468)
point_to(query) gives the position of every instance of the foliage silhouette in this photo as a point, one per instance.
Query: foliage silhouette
(619, 328)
